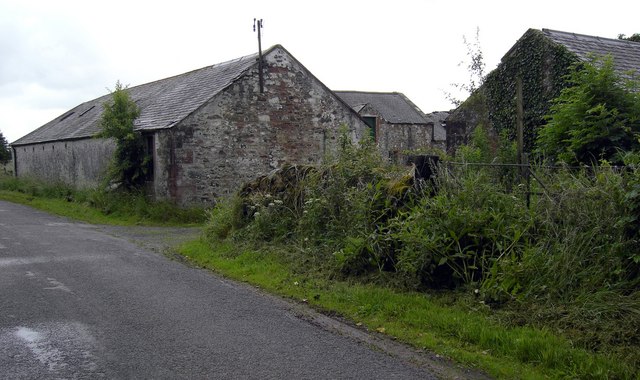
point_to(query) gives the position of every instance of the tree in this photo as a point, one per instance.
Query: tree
(5, 152)
(130, 162)
(635, 37)
(596, 118)
(475, 68)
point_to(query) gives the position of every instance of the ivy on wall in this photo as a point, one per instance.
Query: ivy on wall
(542, 65)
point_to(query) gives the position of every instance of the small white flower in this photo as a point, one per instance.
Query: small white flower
(271, 204)
(295, 283)
(277, 201)
(257, 213)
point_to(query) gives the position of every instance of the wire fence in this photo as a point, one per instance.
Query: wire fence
(528, 179)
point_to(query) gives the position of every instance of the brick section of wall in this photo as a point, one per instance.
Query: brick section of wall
(241, 134)
(80, 163)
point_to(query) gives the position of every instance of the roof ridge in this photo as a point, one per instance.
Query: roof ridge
(369, 92)
(545, 30)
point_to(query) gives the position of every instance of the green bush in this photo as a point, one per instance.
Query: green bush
(130, 163)
(596, 118)
(454, 237)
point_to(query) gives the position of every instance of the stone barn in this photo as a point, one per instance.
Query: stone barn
(396, 123)
(208, 131)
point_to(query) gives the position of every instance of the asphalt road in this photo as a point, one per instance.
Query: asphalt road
(77, 302)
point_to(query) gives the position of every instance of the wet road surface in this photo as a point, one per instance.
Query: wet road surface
(78, 302)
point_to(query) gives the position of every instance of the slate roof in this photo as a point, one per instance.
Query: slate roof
(438, 118)
(394, 107)
(626, 54)
(162, 103)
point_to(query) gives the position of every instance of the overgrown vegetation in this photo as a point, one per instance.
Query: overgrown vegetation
(543, 77)
(596, 118)
(97, 206)
(130, 162)
(567, 264)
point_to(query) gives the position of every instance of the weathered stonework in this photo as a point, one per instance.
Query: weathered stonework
(210, 130)
(398, 125)
(394, 138)
(81, 163)
(241, 134)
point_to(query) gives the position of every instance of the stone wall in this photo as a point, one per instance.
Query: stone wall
(393, 139)
(80, 163)
(241, 134)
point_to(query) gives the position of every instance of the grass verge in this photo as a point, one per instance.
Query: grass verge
(426, 321)
(68, 209)
(98, 207)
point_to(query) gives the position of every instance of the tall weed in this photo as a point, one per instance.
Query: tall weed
(564, 256)
(578, 272)
(456, 236)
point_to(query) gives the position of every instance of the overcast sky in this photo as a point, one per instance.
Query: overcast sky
(57, 54)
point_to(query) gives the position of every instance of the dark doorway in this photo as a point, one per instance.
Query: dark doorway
(371, 122)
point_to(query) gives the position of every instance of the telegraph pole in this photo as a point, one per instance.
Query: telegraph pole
(520, 120)
(257, 25)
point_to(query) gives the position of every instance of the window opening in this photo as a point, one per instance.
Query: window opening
(371, 122)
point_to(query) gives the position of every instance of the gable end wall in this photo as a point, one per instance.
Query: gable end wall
(241, 134)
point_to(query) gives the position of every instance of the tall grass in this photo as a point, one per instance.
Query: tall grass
(99, 206)
(578, 271)
(566, 261)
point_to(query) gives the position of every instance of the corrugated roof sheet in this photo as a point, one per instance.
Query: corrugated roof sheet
(162, 103)
(626, 54)
(394, 107)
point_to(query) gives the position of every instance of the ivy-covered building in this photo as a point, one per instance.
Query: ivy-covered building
(542, 59)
